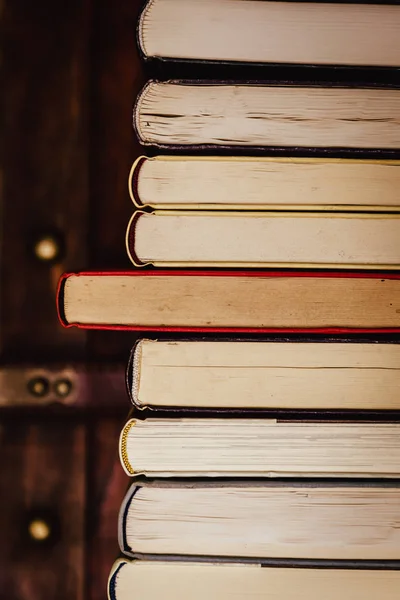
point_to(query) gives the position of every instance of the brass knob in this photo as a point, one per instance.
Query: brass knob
(38, 386)
(39, 530)
(47, 248)
(62, 387)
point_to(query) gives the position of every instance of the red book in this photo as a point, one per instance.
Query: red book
(231, 301)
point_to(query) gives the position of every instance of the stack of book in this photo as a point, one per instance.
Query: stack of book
(265, 430)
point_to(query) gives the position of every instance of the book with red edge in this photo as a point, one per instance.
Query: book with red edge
(231, 301)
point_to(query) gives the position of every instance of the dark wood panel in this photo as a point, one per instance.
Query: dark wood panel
(70, 80)
(117, 77)
(100, 388)
(44, 165)
(42, 469)
(107, 486)
(116, 72)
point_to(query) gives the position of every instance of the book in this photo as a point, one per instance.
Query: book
(274, 183)
(190, 375)
(247, 301)
(193, 114)
(261, 521)
(150, 580)
(251, 448)
(316, 33)
(264, 239)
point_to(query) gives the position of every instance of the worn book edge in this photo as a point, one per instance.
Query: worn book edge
(117, 566)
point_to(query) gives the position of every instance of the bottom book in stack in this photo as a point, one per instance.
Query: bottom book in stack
(280, 490)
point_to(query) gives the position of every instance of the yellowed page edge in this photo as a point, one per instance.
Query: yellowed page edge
(123, 455)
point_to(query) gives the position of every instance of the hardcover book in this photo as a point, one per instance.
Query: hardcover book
(151, 580)
(325, 240)
(192, 114)
(251, 448)
(275, 374)
(311, 33)
(261, 520)
(238, 301)
(264, 182)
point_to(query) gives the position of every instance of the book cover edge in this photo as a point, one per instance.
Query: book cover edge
(122, 517)
(133, 181)
(130, 239)
(111, 582)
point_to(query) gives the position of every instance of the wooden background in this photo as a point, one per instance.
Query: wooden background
(71, 72)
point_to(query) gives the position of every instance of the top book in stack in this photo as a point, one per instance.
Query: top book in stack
(301, 33)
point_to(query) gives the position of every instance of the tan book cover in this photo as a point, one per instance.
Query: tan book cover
(309, 240)
(265, 182)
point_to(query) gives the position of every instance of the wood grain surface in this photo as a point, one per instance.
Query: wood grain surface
(42, 476)
(45, 166)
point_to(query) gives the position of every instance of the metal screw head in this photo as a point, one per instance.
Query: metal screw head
(62, 387)
(38, 386)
